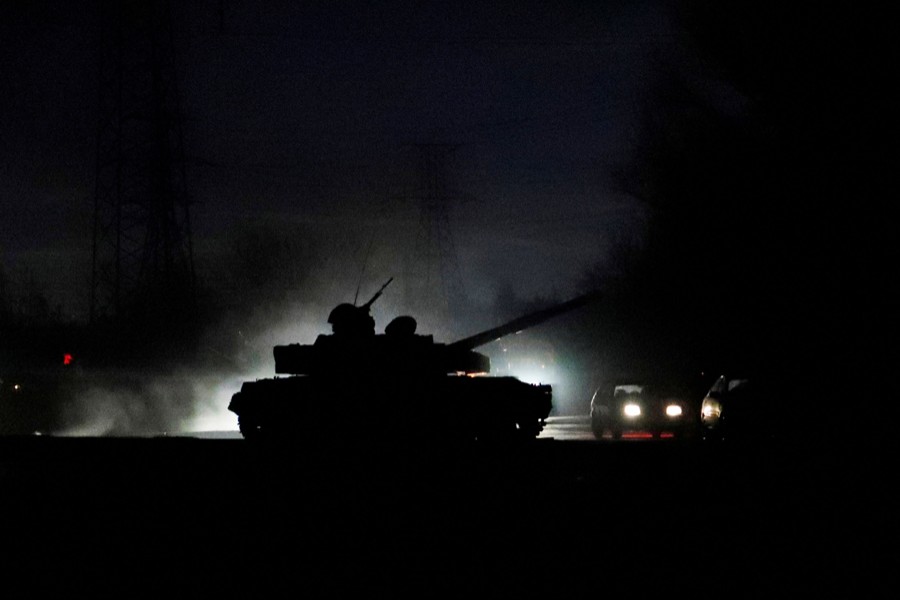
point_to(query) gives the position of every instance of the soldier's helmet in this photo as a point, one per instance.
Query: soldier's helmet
(347, 319)
(403, 326)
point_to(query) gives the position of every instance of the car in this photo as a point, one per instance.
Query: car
(643, 409)
(742, 407)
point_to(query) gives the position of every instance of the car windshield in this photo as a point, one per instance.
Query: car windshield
(736, 383)
(644, 389)
(628, 389)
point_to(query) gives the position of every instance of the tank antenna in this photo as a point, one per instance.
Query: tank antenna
(363, 270)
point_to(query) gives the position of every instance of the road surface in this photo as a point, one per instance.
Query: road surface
(563, 515)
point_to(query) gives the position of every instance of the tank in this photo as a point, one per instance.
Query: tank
(398, 383)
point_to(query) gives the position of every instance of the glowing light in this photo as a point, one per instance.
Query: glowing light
(637, 435)
(67, 359)
(16, 387)
(711, 409)
(673, 410)
(631, 410)
(212, 413)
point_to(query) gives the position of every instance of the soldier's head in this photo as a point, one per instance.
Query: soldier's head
(350, 320)
(403, 326)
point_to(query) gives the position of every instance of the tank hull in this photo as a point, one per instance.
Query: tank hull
(449, 407)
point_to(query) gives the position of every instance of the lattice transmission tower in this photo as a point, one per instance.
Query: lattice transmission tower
(432, 274)
(142, 252)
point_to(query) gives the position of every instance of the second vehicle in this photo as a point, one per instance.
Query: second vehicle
(639, 408)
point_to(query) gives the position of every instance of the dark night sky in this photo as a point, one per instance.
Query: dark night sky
(303, 113)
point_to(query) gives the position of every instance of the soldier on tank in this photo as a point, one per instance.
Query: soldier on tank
(401, 327)
(349, 321)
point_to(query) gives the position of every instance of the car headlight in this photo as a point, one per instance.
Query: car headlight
(673, 410)
(711, 409)
(631, 410)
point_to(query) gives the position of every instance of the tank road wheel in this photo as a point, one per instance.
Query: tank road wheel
(250, 429)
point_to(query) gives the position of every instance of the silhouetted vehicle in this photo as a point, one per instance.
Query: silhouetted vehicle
(742, 407)
(645, 408)
(395, 383)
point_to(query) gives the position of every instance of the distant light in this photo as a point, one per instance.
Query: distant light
(67, 359)
(673, 410)
(16, 387)
(632, 410)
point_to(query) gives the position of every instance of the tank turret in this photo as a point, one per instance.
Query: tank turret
(399, 379)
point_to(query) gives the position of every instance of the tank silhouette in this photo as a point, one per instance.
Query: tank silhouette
(396, 383)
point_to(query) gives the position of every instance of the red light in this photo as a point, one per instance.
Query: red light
(637, 435)
(67, 359)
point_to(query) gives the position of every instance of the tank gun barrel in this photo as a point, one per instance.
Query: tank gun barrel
(530, 320)
(377, 295)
